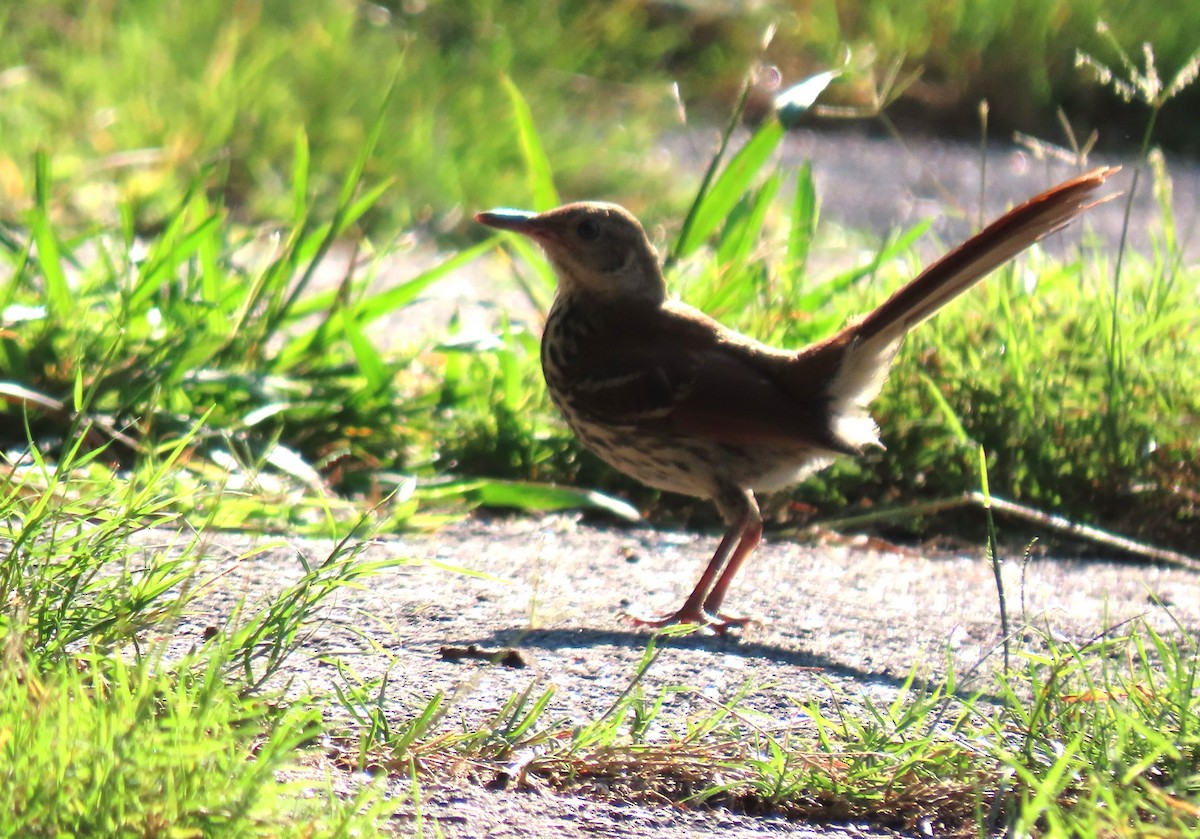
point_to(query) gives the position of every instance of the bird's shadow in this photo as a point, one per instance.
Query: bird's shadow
(564, 638)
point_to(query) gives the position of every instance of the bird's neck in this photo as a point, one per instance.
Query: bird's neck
(607, 300)
(639, 282)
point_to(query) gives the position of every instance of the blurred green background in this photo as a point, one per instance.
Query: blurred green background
(134, 97)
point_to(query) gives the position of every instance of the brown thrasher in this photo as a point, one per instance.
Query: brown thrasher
(671, 397)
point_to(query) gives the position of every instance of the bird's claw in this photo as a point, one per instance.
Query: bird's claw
(706, 622)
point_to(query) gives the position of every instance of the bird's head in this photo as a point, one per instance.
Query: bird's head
(596, 249)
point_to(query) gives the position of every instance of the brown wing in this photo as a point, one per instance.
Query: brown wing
(674, 370)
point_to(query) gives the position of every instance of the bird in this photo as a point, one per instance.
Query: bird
(675, 399)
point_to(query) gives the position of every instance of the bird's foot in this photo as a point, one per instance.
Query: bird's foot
(708, 623)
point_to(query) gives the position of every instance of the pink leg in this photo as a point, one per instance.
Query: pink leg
(751, 536)
(703, 605)
(692, 610)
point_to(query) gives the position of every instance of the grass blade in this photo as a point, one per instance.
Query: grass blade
(529, 495)
(537, 165)
(804, 219)
(300, 174)
(728, 188)
(49, 257)
(370, 363)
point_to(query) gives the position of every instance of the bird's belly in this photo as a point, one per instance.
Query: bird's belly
(697, 466)
(662, 463)
(786, 473)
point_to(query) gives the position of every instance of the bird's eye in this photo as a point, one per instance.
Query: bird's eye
(588, 229)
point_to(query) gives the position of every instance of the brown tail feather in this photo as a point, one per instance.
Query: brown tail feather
(864, 349)
(987, 250)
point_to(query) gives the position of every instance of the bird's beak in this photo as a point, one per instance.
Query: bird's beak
(518, 221)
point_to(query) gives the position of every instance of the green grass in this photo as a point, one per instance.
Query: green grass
(106, 732)
(152, 753)
(174, 355)
(137, 99)
(134, 100)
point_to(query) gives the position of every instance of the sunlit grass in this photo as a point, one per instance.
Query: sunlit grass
(98, 747)
(104, 730)
(1080, 739)
(134, 100)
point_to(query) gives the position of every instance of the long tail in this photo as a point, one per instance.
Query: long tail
(987, 250)
(865, 348)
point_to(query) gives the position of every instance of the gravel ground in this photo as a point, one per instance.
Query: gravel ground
(838, 621)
